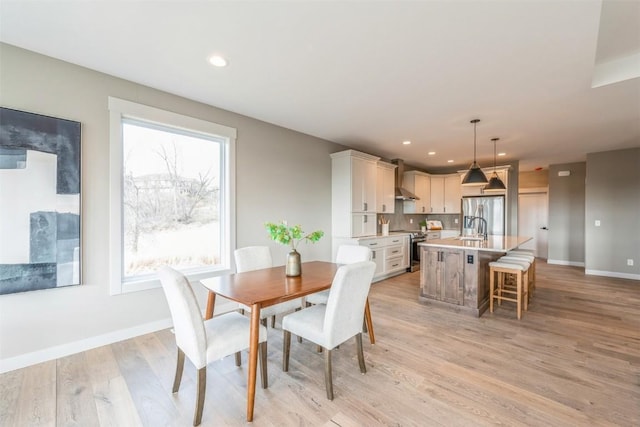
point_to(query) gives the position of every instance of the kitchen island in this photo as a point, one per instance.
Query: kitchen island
(454, 272)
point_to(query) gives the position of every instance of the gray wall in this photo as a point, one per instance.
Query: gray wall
(566, 214)
(281, 174)
(613, 198)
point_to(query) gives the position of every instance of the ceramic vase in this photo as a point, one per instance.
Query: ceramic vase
(293, 267)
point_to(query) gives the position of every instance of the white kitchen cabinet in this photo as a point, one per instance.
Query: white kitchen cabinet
(437, 194)
(452, 194)
(353, 194)
(478, 190)
(446, 193)
(419, 183)
(390, 253)
(385, 188)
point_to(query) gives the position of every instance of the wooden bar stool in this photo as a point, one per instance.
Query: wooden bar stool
(519, 295)
(526, 263)
(532, 270)
(529, 256)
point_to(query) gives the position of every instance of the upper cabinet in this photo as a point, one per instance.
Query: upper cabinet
(419, 183)
(385, 191)
(452, 194)
(478, 190)
(353, 193)
(446, 193)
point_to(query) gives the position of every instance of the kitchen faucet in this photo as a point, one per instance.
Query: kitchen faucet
(482, 226)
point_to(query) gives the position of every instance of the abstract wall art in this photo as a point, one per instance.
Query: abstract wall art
(39, 202)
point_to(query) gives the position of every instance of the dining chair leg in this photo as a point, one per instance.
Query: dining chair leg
(328, 380)
(273, 321)
(202, 386)
(263, 364)
(238, 358)
(179, 368)
(286, 345)
(369, 322)
(363, 368)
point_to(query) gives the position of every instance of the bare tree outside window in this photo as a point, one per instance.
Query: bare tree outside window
(171, 199)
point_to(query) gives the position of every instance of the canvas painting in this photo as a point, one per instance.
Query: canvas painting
(39, 202)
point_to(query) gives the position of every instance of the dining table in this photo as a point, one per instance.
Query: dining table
(265, 287)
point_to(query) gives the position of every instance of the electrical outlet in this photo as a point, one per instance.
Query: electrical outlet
(410, 220)
(597, 223)
(455, 220)
(630, 262)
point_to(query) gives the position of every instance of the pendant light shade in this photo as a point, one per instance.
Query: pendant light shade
(495, 183)
(474, 175)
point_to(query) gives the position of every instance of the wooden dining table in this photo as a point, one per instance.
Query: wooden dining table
(262, 288)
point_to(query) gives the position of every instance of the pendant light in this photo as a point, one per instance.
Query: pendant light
(474, 175)
(495, 183)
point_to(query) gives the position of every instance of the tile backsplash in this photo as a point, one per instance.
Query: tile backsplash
(399, 221)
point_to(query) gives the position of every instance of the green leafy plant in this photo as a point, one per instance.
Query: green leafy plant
(291, 236)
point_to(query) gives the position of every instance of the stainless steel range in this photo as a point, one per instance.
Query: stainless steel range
(416, 237)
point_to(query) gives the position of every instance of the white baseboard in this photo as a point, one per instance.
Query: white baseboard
(563, 262)
(44, 355)
(27, 359)
(613, 274)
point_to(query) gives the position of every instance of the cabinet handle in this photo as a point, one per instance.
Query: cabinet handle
(364, 219)
(365, 206)
(384, 207)
(372, 244)
(395, 265)
(373, 255)
(444, 209)
(395, 252)
(395, 241)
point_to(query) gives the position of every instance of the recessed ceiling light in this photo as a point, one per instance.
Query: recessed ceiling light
(218, 61)
(406, 142)
(431, 153)
(502, 154)
(449, 161)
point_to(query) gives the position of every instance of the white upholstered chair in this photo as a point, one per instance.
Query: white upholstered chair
(255, 258)
(334, 323)
(204, 341)
(347, 254)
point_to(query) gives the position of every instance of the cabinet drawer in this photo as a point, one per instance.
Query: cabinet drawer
(374, 243)
(396, 240)
(393, 264)
(394, 251)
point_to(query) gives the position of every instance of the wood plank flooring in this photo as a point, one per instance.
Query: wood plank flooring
(573, 360)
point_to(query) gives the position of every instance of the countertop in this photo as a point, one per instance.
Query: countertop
(492, 244)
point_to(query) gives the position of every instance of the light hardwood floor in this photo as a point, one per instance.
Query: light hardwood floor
(573, 360)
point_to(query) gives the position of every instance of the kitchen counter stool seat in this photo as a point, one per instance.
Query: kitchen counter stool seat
(497, 289)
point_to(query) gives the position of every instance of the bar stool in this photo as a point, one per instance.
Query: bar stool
(532, 271)
(530, 257)
(520, 270)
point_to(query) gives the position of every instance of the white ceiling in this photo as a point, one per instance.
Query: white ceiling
(372, 74)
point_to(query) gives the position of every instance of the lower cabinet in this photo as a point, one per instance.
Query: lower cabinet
(442, 275)
(391, 254)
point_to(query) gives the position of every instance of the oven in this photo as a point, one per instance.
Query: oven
(414, 249)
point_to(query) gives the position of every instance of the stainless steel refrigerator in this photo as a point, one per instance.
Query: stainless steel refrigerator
(491, 208)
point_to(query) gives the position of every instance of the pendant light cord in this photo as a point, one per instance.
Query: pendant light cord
(475, 123)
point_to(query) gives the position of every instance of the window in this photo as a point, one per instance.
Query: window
(171, 195)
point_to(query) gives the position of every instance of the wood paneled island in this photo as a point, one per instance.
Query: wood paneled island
(454, 272)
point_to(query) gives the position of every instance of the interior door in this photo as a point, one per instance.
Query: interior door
(533, 216)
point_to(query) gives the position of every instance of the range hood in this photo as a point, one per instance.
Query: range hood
(402, 193)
